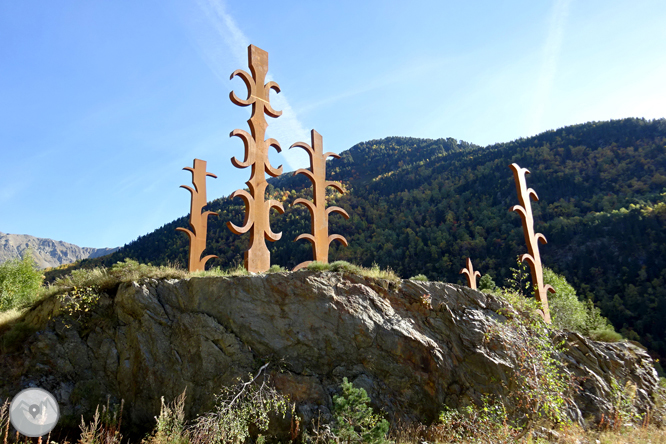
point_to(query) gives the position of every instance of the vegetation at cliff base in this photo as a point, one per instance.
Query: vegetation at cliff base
(249, 411)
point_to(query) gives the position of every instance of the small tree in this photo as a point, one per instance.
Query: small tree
(354, 419)
(487, 284)
(20, 280)
(520, 278)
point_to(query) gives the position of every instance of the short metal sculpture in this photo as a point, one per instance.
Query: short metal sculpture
(198, 220)
(471, 274)
(319, 238)
(533, 258)
(257, 210)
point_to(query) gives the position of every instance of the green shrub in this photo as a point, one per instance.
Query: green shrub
(487, 284)
(276, 269)
(170, 427)
(519, 282)
(419, 277)
(472, 424)
(541, 388)
(78, 303)
(20, 280)
(598, 327)
(238, 408)
(318, 266)
(568, 312)
(341, 266)
(346, 266)
(607, 335)
(354, 419)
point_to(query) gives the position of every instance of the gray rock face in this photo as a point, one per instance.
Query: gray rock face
(411, 354)
(47, 252)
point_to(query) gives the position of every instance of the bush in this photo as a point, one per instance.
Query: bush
(238, 408)
(487, 284)
(20, 280)
(541, 389)
(346, 266)
(419, 277)
(568, 312)
(471, 424)
(318, 266)
(341, 266)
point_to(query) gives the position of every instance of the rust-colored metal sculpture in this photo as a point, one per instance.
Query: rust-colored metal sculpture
(198, 220)
(471, 274)
(257, 210)
(319, 238)
(533, 258)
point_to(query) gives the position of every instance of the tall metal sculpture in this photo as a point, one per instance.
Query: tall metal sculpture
(533, 258)
(471, 274)
(198, 220)
(319, 238)
(257, 210)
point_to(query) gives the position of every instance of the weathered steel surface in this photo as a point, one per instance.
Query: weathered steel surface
(471, 274)
(533, 257)
(319, 236)
(257, 210)
(198, 220)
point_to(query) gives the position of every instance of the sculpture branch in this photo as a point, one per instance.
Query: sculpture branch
(257, 208)
(319, 238)
(198, 220)
(471, 274)
(532, 239)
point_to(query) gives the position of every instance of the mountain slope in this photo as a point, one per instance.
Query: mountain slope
(46, 252)
(423, 206)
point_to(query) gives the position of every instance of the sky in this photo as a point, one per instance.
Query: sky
(103, 103)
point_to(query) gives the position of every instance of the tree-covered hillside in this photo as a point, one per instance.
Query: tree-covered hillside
(423, 206)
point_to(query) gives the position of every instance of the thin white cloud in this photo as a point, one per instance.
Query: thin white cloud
(286, 129)
(226, 28)
(551, 55)
(400, 75)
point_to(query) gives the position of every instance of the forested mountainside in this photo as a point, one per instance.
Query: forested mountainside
(422, 206)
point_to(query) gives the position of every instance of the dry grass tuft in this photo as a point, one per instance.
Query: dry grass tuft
(341, 266)
(10, 316)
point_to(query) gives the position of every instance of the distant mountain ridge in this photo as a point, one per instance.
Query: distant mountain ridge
(47, 252)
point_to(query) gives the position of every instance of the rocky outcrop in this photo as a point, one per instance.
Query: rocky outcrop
(47, 252)
(414, 346)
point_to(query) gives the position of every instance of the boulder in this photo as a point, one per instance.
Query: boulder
(415, 347)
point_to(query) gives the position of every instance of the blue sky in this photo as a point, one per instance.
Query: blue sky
(103, 103)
